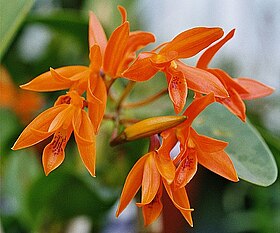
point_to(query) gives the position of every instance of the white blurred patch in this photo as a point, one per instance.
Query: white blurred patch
(272, 120)
(34, 42)
(126, 222)
(80, 224)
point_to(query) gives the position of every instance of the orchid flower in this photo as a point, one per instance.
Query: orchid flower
(152, 172)
(239, 89)
(106, 58)
(65, 117)
(23, 103)
(195, 148)
(179, 76)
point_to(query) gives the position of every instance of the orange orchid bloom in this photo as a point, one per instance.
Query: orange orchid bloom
(179, 76)
(120, 50)
(195, 148)
(239, 89)
(106, 58)
(153, 171)
(65, 117)
(206, 151)
(23, 103)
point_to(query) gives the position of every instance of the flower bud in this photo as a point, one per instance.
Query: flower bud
(147, 127)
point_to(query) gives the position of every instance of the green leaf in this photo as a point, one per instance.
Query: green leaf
(251, 156)
(13, 13)
(9, 126)
(62, 196)
(18, 172)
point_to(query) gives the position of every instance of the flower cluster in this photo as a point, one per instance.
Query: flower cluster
(82, 109)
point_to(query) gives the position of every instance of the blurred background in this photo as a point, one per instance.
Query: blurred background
(54, 34)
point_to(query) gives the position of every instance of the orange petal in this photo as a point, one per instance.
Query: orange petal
(207, 144)
(132, 184)
(64, 118)
(41, 123)
(97, 99)
(169, 140)
(96, 34)
(8, 89)
(95, 58)
(255, 89)
(54, 80)
(206, 57)
(53, 154)
(180, 200)
(141, 70)
(115, 50)
(80, 81)
(40, 134)
(192, 41)
(178, 90)
(202, 81)
(96, 112)
(138, 40)
(186, 170)
(85, 138)
(123, 12)
(151, 180)
(228, 81)
(79, 76)
(182, 134)
(197, 106)
(218, 162)
(28, 104)
(23, 103)
(165, 167)
(235, 104)
(152, 210)
(163, 61)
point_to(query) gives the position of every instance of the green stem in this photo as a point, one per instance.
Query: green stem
(146, 101)
(125, 93)
(124, 121)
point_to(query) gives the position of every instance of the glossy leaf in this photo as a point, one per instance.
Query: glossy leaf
(12, 13)
(249, 153)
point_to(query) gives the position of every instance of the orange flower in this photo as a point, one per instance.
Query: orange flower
(156, 169)
(180, 77)
(106, 58)
(65, 117)
(152, 171)
(23, 103)
(109, 58)
(239, 89)
(121, 48)
(79, 79)
(206, 151)
(195, 148)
